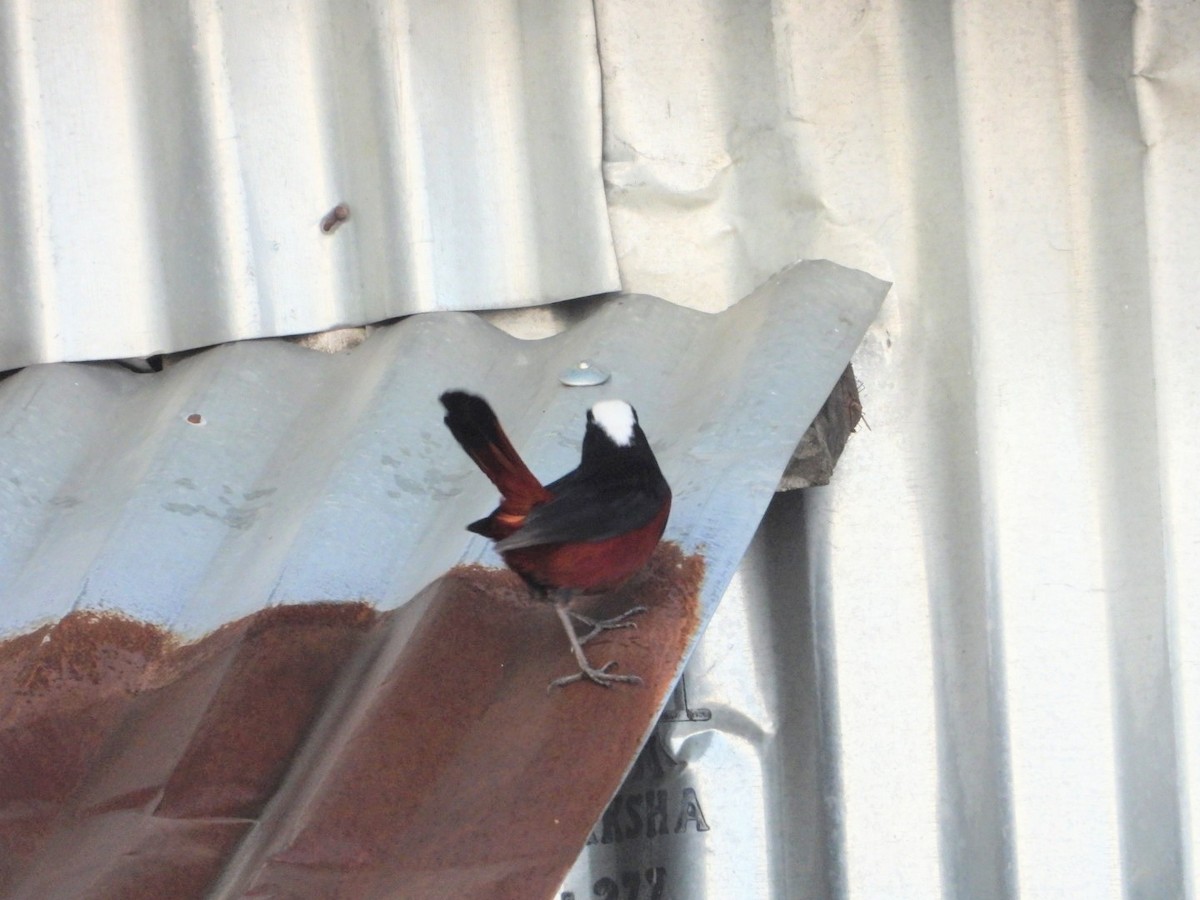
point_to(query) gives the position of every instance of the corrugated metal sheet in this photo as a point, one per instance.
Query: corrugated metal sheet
(970, 667)
(174, 162)
(979, 674)
(262, 473)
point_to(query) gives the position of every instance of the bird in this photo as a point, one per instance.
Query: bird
(587, 532)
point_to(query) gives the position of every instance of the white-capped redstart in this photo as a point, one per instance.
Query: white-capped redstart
(587, 532)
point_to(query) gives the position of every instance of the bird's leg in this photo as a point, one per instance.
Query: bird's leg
(601, 625)
(586, 670)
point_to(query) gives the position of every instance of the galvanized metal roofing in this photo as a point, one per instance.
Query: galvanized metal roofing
(262, 473)
(167, 168)
(980, 673)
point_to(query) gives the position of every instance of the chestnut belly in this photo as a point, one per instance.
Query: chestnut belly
(589, 566)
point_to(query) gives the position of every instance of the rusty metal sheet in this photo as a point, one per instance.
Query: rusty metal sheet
(267, 480)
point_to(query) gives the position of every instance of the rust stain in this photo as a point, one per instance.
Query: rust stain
(414, 753)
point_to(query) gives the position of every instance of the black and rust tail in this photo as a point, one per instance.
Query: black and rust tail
(478, 431)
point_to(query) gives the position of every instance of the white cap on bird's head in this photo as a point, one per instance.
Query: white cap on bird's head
(617, 418)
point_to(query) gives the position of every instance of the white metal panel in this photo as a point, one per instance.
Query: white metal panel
(166, 167)
(1001, 577)
(1167, 83)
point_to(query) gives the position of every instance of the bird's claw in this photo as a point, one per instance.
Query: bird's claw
(599, 626)
(599, 676)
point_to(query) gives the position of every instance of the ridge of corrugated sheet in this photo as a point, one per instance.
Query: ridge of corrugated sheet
(262, 473)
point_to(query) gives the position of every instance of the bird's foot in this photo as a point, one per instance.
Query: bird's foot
(599, 676)
(598, 626)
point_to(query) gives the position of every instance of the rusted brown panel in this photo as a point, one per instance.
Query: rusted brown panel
(286, 665)
(135, 767)
(112, 730)
(464, 776)
(63, 691)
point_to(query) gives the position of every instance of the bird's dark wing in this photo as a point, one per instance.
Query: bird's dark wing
(582, 511)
